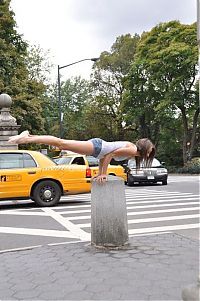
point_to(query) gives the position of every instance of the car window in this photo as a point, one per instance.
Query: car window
(29, 161)
(11, 161)
(92, 161)
(132, 163)
(63, 160)
(79, 161)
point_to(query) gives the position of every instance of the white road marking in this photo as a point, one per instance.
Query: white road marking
(163, 197)
(140, 212)
(26, 213)
(41, 213)
(153, 219)
(149, 200)
(20, 249)
(165, 228)
(37, 232)
(74, 229)
(141, 198)
(163, 205)
(135, 207)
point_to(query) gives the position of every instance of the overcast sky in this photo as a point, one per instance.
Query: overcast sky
(77, 29)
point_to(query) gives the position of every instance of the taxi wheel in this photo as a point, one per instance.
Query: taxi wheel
(47, 193)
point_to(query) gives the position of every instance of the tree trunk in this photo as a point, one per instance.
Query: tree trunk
(194, 130)
(185, 135)
(189, 140)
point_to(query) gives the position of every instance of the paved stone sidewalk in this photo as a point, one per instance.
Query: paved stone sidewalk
(154, 267)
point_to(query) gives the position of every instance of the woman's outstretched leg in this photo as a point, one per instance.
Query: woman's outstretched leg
(81, 147)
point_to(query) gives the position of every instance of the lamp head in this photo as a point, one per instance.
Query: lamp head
(94, 59)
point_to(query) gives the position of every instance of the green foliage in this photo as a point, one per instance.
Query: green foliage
(38, 64)
(162, 85)
(109, 83)
(75, 95)
(194, 162)
(189, 169)
(12, 52)
(143, 87)
(22, 73)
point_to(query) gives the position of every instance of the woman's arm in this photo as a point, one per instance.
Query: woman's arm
(129, 151)
(103, 166)
(104, 163)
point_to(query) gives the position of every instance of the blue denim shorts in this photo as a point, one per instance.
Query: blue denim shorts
(97, 143)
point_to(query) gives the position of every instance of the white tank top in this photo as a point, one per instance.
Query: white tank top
(108, 147)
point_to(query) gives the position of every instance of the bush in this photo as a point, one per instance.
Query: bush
(172, 169)
(189, 169)
(193, 162)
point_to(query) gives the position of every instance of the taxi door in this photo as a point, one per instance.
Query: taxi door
(15, 178)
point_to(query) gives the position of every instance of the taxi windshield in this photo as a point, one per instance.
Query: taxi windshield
(63, 160)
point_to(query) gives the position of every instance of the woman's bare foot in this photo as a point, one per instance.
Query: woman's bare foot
(19, 139)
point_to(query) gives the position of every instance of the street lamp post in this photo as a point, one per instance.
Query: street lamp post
(59, 91)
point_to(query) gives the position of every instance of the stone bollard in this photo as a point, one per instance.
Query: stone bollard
(192, 292)
(8, 124)
(109, 227)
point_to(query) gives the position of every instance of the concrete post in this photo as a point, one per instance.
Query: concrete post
(109, 227)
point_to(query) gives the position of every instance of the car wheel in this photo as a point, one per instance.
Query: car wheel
(164, 182)
(47, 193)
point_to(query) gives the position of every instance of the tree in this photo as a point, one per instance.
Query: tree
(75, 94)
(12, 52)
(163, 77)
(38, 64)
(109, 85)
(18, 78)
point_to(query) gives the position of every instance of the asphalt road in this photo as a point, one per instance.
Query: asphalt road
(151, 209)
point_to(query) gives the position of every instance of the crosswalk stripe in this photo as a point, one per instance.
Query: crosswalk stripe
(165, 228)
(152, 219)
(163, 201)
(128, 203)
(140, 213)
(162, 197)
(135, 207)
(163, 205)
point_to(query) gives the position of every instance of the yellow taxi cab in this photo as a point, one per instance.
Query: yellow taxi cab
(91, 163)
(30, 174)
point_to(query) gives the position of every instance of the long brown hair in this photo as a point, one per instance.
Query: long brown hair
(143, 145)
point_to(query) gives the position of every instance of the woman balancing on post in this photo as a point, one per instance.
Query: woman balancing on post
(103, 150)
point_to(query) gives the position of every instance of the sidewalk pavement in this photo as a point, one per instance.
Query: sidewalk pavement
(154, 267)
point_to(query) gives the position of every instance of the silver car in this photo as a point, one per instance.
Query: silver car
(156, 173)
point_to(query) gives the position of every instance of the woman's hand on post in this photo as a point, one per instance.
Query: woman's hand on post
(100, 178)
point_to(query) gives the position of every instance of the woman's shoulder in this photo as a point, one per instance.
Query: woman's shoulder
(130, 144)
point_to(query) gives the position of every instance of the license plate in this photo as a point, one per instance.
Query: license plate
(150, 177)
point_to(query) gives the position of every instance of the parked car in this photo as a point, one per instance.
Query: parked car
(30, 174)
(156, 173)
(91, 164)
